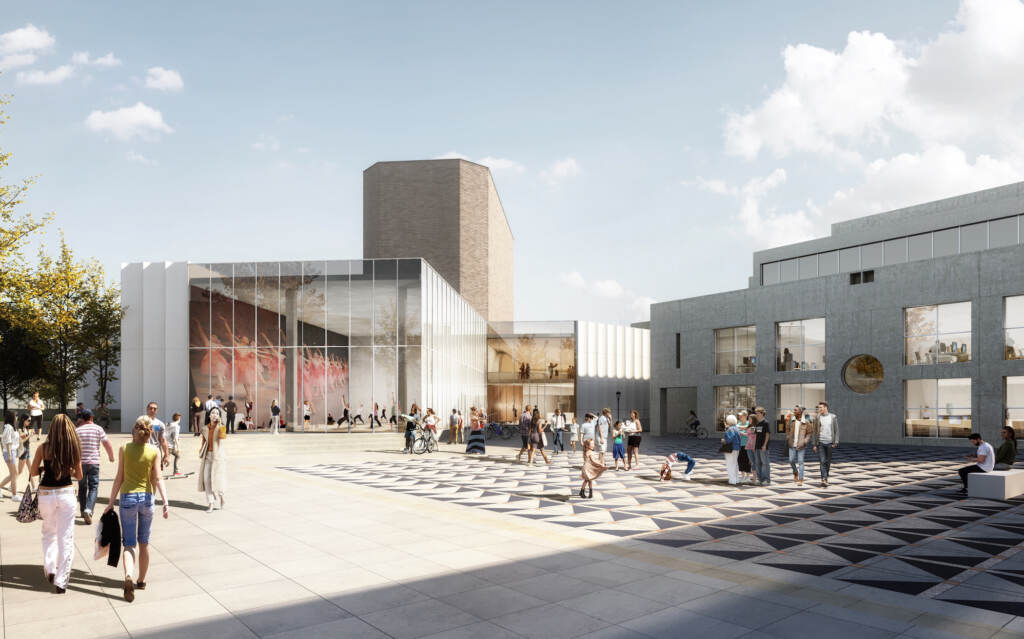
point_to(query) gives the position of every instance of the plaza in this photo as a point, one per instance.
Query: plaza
(341, 536)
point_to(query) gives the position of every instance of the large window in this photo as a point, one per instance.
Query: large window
(938, 334)
(735, 350)
(790, 395)
(800, 345)
(1015, 404)
(938, 407)
(732, 399)
(1014, 325)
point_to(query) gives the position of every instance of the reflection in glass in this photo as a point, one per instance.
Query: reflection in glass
(313, 304)
(245, 309)
(408, 291)
(1014, 402)
(361, 300)
(863, 374)
(385, 303)
(268, 305)
(938, 334)
(198, 304)
(1013, 323)
(938, 407)
(337, 289)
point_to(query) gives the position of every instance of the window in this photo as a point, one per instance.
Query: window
(871, 255)
(863, 374)
(1002, 232)
(828, 263)
(800, 345)
(919, 247)
(945, 243)
(938, 407)
(678, 353)
(1015, 404)
(869, 276)
(735, 350)
(896, 251)
(1014, 326)
(854, 278)
(974, 237)
(790, 270)
(731, 400)
(790, 395)
(849, 259)
(808, 267)
(938, 334)
(770, 273)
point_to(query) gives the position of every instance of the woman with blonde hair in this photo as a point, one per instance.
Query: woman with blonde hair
(58, 460)
(196, 412)
(213, 467)
(137, 475)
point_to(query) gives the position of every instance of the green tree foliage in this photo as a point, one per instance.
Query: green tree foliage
(22, 359)
(102, 335)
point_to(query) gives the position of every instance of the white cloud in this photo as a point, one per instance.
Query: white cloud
(573, 278)
(607, 288)
(140, 121)
(560, 171)
(138, 158)
(163, 79)
(54, 76)
(15, 60)
(502, 164)
(27, 38)
(627, 306)
(451, 155)
(266, 143)
(108, 60)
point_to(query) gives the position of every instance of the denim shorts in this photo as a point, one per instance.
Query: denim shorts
(136, 513)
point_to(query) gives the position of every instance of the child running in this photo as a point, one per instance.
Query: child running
(666, 468)
(592, 468)
(618, 448)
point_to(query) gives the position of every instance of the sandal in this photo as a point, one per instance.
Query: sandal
(140, 585)
(129, 590)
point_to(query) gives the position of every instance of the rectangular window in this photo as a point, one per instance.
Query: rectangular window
(919, 247)
(849, 259)
(828, 263)
(945, 243)
(789, 396)
(871, 255)
(800, 345)
(770, 273)
(1013, 324)
(974, 237)
(1002, 232)
(937, 407)
(735, 350)
(790, 270)
(1014, 403)
(895, 251)
(731, 400)
(938, 334)
(677, 350)
(808, 267)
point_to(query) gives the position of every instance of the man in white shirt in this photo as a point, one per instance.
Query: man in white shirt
(604, 424)
(826, 437)
(588, 429)
(984, 459)
(557, 428)
(798, 435)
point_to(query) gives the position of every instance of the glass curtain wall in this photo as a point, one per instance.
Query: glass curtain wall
(332, 334)
(938, 334)
(938, 407)
(531, 363)
(735, 350)
(1014, 403)
(1013, 324)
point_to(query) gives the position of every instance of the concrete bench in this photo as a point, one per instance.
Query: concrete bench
(998, 484)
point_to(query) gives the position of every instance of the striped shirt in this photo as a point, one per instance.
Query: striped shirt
(91, 436)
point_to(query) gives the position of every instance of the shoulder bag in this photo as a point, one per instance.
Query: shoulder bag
(28, 511)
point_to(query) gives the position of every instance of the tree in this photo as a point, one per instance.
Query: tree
(21, 361)
(61, 291)
(101, 334)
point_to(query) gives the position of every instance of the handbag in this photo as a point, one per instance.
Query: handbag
(28, 511)
(726, 447)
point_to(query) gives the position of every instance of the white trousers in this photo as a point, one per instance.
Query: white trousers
(57, 508)
(211, 496)
(732, 466)
(275, 423)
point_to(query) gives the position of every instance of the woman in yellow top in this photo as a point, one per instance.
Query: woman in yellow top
(213, 467)
(137, 475)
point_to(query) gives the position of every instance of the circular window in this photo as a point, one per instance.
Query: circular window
(863, 373)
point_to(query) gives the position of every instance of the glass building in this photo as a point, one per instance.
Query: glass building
(336, 334)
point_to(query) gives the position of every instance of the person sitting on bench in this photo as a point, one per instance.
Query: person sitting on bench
(984, 459)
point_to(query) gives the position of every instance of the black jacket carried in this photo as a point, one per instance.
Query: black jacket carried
(111, 536)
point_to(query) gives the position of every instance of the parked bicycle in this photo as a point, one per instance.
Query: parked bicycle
(505, 431)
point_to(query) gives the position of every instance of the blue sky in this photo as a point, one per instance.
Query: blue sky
(642, 151)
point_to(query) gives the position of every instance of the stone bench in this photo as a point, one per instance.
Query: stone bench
(998, 484)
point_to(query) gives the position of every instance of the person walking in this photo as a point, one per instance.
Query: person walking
(10, 445)
(536, 438)
(798, 435)
(35, 412)
(91, 437)
(731, 449)
(171, 435)
(158, 438)
(453, 427)
(137, 476)
(557, 430)
(574, 433)
(746, 446)
(1006, 455)
(826, 438)
(593, 467)
(275, 417)
(762, 460)
(525, 419)
(984, 460)
(604, 424)
(24, 451)
(57, 462)
(213, 467)
(476, 443)
(633, 428)
(195, 412)
(231, 410)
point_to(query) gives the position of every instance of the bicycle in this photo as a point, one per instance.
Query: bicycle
(495, 429)
(696, 430)
(425, 441)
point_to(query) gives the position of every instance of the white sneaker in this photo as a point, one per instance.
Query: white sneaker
(687, 476)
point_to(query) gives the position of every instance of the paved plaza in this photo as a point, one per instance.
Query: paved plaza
(342, 536)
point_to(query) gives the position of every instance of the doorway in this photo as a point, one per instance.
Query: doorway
(676, 404)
